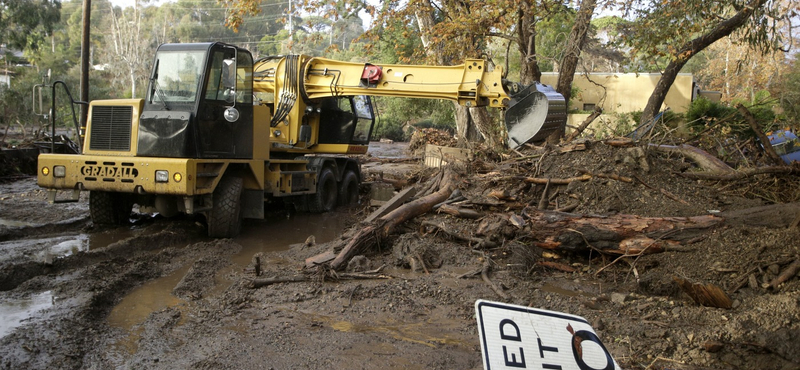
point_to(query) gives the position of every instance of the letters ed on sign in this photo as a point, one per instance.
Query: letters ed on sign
(517, 337)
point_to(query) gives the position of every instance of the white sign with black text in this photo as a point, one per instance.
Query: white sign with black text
(517, 337)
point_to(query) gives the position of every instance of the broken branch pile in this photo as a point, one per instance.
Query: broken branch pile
(524, 201)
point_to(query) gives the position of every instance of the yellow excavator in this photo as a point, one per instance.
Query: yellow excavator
(221, 135)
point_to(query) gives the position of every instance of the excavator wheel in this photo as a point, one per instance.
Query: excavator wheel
(225, 218)
(348, 191)
(109, 208)
(324, 200)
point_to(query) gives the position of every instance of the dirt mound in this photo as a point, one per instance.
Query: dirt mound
(495, 220)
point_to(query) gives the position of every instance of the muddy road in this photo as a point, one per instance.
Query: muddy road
(157, 294)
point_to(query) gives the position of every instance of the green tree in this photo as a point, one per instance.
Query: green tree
(679, 30)
(789, 90)
(26, 23)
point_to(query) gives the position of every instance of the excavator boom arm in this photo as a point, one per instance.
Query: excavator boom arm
(531, 112)
(471, 84)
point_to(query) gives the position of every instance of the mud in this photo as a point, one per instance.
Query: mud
(156, 294)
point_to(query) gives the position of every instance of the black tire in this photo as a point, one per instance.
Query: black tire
(225, 218)
(109, 208)
(324, 199)
(348, 191)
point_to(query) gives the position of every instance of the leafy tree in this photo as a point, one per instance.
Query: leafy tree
(790, 90)
(25, 23)
(731, 67)
(679, 30)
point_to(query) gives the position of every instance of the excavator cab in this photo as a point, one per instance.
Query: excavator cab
(346, 120)
(199, 101)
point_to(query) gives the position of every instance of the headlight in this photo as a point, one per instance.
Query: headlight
(162, 176)
(45, 171)
(59, 171)
(177, 177)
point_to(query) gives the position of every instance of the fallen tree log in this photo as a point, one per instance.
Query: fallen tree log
(596, 113)
(618, 234)
(371, 234)
(706, 161)
(773, 215)
(771, 154)
(632, 235)
(585, 177)
(741, 174)
(258, 283)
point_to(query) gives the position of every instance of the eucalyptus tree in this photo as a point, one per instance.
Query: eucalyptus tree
(25, 24)
(680, 29)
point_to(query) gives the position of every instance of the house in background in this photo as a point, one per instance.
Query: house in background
(8, 59)
(625, 93)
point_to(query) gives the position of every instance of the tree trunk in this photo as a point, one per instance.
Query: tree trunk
(465, 130)
(488, 128)
(688, 50)
(572, 52)
(526, 33)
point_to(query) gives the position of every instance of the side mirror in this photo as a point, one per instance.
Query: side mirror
(229, 74)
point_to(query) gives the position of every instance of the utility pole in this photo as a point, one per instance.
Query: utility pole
(87, 10)
(291, 28)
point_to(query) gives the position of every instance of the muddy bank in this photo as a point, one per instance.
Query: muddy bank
(158, 295)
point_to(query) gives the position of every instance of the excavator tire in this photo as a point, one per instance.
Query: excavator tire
(109, 208)
(225, 218)
(324, 200)
(348, 191)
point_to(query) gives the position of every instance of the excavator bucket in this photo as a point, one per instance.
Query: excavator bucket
(533, 114)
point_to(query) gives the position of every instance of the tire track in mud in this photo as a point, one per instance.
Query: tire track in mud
(14, 274)
(71, 225)
(86, 287)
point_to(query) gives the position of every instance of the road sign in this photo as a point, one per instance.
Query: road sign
(517, 337)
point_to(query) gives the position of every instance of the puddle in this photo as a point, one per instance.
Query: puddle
(15, 311)
(551, 287)
(104, 239)
(433, 331)
(278, 233)
(78, 243)
(65, 248)
(153, 296)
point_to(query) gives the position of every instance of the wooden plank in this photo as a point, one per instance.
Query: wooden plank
(438, 156)
(393, 203)
(321, 258)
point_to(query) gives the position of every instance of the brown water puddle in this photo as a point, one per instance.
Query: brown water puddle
(153, 296)
(278, 233)
(436, 329)
(566, 288)
(270, 235)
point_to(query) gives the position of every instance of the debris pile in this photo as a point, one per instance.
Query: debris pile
(424, 136)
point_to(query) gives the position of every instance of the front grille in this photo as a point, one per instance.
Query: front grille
(111, 128)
